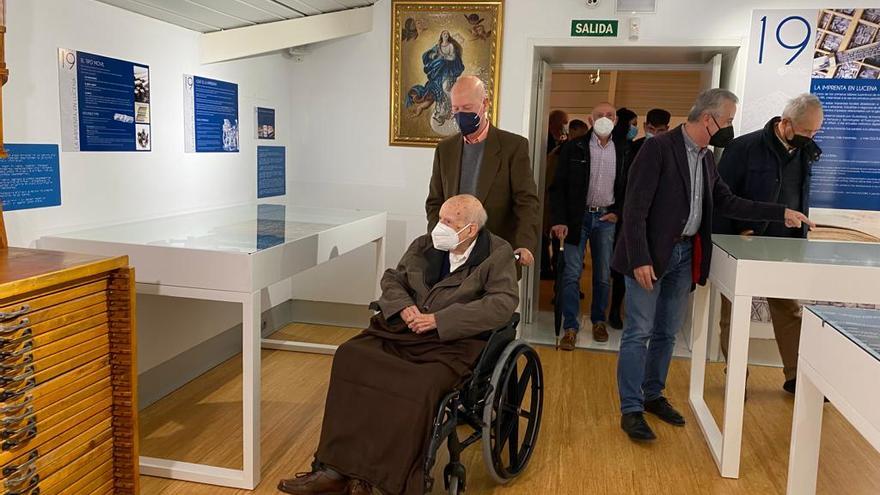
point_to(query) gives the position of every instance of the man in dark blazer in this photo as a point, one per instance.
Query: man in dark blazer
(774, 164)
(656, 123)
(492, 165)
(666, 248)
(584, 207)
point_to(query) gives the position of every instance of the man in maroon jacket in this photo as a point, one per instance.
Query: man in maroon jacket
(666, 246)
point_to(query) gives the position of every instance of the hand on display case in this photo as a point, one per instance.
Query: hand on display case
(796, 219)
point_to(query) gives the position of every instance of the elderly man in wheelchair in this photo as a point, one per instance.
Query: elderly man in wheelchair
(432, 344)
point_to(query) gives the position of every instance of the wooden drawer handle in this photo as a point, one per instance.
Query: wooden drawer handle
(14, 420)
(7, 434)
(13, 408)
(6, 381)
(7, 395)
(11, 470)
(27, 347)
(22, 436)
(11, 368)
(27, 480)
(14, 328)
(28, 333)
(34, 491)
(15, 314)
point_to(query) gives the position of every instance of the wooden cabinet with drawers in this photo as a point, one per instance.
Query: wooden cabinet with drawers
(68, 378)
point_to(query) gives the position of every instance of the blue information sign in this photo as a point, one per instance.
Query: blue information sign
(105, 103)
(211, 115)
(848, 175)
(30, 177)
(271, 171)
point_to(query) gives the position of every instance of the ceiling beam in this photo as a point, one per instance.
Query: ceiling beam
(249, 41)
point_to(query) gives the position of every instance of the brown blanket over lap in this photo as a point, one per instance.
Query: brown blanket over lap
(385, 387)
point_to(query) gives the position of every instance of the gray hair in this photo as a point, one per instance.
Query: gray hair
(711, 101)
(800, 106)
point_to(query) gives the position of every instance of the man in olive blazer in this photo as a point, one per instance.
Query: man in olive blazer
(492, 165)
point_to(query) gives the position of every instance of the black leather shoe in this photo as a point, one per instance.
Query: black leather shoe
(661, 408)
(636, 427)
(614, 321)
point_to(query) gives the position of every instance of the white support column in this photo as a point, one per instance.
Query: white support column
(699, 341)
(250, 361)
(806, 434)
(735, 389)
(380, 264)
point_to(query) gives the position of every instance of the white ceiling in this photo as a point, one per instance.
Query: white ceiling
(214, 15)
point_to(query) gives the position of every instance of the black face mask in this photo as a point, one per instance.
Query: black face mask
(468, 122)
(811, 149)
(798, 141)
(721, 138)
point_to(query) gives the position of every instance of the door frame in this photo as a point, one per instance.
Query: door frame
(732, 77)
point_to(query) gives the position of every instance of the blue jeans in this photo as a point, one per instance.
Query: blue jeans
(601, 237)
(652, 320)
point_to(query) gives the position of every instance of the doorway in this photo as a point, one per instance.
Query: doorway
(575, 79)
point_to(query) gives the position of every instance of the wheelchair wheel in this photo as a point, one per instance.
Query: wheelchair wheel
(512, 415)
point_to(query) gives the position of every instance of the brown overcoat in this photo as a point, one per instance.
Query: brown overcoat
(387, 382)
(505, 186)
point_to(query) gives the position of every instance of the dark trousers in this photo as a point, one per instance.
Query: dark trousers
(618, 285)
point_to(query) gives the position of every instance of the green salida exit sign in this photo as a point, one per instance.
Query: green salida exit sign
(592, 27)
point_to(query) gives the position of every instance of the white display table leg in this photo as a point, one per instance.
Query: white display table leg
(806, 434)
(734, 391)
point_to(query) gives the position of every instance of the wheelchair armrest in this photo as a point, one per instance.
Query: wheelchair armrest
(497, 340)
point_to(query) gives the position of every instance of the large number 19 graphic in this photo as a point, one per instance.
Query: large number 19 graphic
(798, 47)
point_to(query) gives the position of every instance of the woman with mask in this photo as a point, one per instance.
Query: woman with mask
(627, 127)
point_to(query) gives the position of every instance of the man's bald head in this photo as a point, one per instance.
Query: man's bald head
(469, 95)
(604, 109)
(462, 210)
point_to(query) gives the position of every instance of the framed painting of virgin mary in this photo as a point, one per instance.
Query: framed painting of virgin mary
(432, 45)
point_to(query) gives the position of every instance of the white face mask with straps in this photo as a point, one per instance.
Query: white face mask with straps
(445, 238)
(603, 127)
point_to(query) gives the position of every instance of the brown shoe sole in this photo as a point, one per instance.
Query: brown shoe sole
(293, 491)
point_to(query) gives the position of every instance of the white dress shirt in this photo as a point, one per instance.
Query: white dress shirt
(456, 260)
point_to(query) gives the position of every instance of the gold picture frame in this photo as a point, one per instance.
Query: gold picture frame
(432, 44)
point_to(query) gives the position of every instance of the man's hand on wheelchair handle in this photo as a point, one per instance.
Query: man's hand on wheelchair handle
(423, 323)
(525, 256)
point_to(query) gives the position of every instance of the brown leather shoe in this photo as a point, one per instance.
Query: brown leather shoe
(569, 338)
(314, 483)
(359, 487)
(600, 333)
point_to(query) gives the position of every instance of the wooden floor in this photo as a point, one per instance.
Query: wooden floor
(581, 448)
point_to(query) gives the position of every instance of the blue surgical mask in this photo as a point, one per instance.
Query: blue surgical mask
(649, 135)
(633, 132)
(468, 122)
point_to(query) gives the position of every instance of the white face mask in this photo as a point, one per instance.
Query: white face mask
(445, 238)
(565, 129)
(603, 127)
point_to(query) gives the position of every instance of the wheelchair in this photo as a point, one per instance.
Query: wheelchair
(502, 403)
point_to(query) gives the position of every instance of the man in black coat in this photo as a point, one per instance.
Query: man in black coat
(666, 247)
(656, 123)
(584, 207)
(774, 164)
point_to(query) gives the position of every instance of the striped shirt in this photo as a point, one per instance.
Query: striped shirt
(603, 171)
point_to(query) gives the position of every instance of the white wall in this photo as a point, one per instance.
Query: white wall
(105, 188)
(341, 96)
